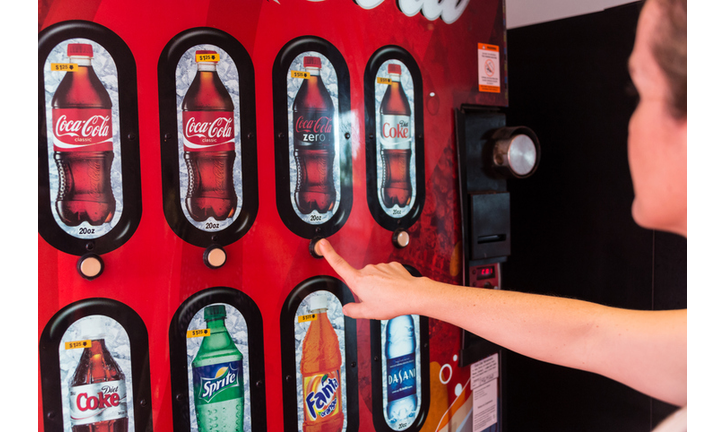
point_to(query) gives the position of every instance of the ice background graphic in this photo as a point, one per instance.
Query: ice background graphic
(336, 317)
(105, 69)
(118, 345)
(418, 366)
(236, 326)
(409, 89)
(329, 78)
(185, 73)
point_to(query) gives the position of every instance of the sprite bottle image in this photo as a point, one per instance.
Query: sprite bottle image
(218, 377)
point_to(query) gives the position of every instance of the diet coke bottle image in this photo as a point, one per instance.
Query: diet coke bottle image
(97, 396)
(83, 143)
(209, 143)
(314, 144)
(395, 146)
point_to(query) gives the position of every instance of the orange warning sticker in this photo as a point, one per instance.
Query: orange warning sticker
(488, 68)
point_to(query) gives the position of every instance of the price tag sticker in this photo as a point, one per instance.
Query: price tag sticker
(207, 58)
(63, 67)
(78, 344)
(381, 80)
(300, 74)
(305, 318)
(198, 333)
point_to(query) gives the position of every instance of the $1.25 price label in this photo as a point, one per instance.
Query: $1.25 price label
(198, 333)
(305, 318)
(207, 58)
(63, 67)
(381, 80)
(78, 344)
(300, 74)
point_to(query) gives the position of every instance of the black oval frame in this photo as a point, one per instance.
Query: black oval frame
(286, 322)
(393, 52)
(281, 136)
(177, 350)
(50, 364)
(48, 228)
(172, 210)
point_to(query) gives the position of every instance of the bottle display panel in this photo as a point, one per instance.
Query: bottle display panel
(84, 145)
(313, 124)
(96, 376)
(401, 371)
(396, 155)
(209, 144)
(217, 359)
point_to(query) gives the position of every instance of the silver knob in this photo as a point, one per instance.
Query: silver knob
(516, 152)
(400, 238)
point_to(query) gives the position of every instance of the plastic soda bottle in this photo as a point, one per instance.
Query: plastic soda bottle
(218, 378)
(209, 147)
(320, 368)
(97, 388)
(401, 372)
(83, 143)
(314, 136)
(395, 142)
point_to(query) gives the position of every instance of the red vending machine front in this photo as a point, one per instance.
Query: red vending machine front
(189, 156)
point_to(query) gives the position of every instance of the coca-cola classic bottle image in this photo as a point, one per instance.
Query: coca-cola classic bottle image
(97, 389)
(209, 143)
(395, 145)
(83, 142)
(314, 144)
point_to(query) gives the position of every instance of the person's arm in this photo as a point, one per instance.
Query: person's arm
(645, 350)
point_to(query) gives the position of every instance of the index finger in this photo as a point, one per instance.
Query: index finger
(337, 263)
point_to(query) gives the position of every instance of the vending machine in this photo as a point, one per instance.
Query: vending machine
(191, 153)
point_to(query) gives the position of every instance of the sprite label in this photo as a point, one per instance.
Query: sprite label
(217, 383)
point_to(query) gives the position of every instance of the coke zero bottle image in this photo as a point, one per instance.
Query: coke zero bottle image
(209, 146)
(314, 142)
(97, 388)
(395, 141)
(83, 143)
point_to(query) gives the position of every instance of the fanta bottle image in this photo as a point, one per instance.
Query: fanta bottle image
(320, 367)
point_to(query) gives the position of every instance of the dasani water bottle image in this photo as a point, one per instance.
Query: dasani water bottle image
(401, 377)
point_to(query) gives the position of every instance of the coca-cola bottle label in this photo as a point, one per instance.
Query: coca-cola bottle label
(85, 174)
(92, 403)
(395, 132)
(395, 155)
(314, 166)
(208, 130)
(82, 129)
(210, 184)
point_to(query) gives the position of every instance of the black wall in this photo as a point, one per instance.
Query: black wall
(572, 230)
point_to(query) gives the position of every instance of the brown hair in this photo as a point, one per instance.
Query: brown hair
(669, 50)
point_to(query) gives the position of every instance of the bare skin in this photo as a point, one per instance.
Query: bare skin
(645, 350)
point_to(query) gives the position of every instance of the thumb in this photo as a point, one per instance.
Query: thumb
(354, 310)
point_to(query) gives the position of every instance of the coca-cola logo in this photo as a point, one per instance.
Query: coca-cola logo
(399, 130)
(219, 128)
(84, 130)
(321, 125)
(106, 398)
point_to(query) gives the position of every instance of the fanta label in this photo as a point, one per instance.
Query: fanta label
(208, 130)
(93, 403)
(82, 129)
(401, 377)
(322, 395)
(211, 381)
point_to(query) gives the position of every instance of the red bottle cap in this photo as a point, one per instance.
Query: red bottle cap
(77, 49)
(312, 62)
(394, 69)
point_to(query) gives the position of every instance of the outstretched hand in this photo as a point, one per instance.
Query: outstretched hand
(384, 290)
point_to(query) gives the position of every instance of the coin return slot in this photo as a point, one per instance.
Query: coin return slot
(491, 238)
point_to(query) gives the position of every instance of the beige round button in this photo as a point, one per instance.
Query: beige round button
(401, 238)
(90, 267)
(215, 257)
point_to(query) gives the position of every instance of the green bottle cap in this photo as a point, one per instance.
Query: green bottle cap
(214, 312)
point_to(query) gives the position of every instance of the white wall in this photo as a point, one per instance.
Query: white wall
(526, 12)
